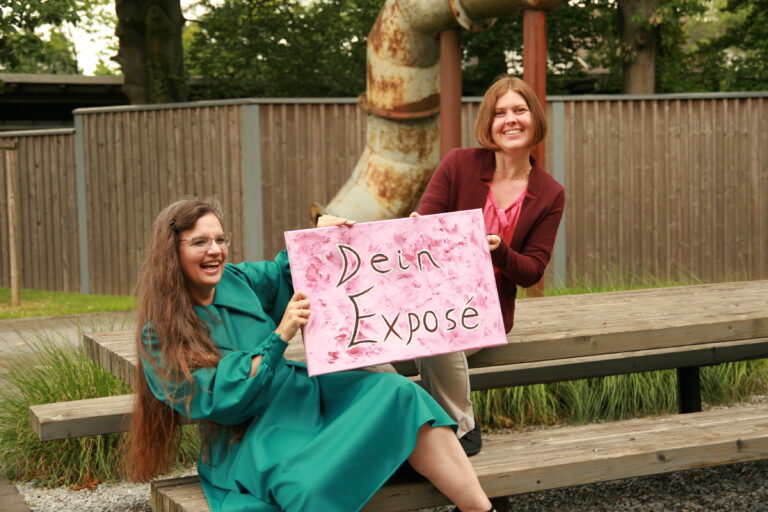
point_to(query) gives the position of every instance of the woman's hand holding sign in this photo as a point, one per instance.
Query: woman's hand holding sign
(325, 221)
(494, 241)
(296, 315)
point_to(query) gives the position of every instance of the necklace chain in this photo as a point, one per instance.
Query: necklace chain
(523, 177)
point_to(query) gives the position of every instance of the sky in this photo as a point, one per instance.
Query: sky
(90, 47)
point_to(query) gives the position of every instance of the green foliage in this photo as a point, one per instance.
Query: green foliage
(33, 33)
(282, 48)
(614, 281)
(581, 34)
(56, 373)
(733, 382)
(307, 49)
(23, 49)
(24, 52)
(745, 46)
(46, 303)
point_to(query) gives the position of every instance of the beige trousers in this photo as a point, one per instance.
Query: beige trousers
(446, 378)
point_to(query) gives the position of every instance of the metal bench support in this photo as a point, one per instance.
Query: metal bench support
(688, 390)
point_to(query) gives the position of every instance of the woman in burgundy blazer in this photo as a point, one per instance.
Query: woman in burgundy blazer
(522, 207)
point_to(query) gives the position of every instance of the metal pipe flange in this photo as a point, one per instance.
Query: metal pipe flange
(465, 21)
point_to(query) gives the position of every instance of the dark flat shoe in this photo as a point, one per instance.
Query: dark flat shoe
(472, 442)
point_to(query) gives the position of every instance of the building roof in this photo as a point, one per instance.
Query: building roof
(30, 101)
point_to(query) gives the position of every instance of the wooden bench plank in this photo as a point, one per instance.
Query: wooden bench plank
(78, 418)
(532, 461)
(558, 370)
(115, 352)
(81, 417)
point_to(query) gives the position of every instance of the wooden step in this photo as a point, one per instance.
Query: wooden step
(78, 418)
(526, 462)
(66, 420)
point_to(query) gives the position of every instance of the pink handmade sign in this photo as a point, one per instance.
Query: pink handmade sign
(395, 290)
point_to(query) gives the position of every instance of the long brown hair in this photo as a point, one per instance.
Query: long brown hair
(500, 87)
(165, 308)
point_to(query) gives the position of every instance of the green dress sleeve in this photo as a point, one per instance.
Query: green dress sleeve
(224, 394)
(271, 281)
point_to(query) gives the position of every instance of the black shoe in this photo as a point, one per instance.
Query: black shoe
(471, 442)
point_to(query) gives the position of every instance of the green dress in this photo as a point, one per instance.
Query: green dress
(324, 443)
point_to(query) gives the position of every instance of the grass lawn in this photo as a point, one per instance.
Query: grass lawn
(44, 303)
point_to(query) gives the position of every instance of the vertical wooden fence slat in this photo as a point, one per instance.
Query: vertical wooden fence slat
(9, 151)
(5, 270)
(30, 187)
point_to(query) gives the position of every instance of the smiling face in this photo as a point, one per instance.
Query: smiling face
(512, 127)
(202, 266)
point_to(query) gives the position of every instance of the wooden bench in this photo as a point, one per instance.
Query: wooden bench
(554, 339)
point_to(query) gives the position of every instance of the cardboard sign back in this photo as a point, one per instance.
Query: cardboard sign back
(394, 290)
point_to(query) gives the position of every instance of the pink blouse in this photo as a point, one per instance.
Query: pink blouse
(502, 222)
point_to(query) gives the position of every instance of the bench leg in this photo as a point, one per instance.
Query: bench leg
(501, 504)
(688, 390)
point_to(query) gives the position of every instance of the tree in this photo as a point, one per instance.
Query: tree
(576, 35)
(299, 48)
(31, 37)
(150, 52)
(282, 47)
(639, 41)
(745, 46)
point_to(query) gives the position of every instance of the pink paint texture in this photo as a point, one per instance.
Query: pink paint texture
(395, 290)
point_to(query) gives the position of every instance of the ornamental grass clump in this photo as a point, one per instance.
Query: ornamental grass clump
(55, 372)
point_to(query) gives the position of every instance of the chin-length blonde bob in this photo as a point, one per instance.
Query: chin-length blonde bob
(485, 114)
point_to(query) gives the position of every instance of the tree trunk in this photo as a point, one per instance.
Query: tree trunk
(638, 43)
(151, 54)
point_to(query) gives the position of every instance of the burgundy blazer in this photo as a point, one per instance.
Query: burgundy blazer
(461, 182)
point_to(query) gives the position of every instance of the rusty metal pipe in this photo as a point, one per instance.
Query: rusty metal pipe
(402, 100)
(450, 90)
(535, 63)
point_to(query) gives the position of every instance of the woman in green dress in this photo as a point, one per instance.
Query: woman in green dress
(211, 342)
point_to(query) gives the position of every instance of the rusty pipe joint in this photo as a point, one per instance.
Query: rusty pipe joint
(402, 99)
(465, 21)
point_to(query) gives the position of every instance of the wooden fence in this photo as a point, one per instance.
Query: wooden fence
(46, 199)
(668, 187)
(665, 186)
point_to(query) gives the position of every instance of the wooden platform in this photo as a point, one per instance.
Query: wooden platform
(532, 461)
(556, 339)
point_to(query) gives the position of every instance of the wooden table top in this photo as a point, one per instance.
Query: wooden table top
(572, 326)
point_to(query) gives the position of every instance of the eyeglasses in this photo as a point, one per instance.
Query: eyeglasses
(202, 243)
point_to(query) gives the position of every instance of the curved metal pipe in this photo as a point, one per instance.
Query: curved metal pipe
(402, 99)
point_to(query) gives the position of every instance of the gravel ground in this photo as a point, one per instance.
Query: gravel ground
(731, 488)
